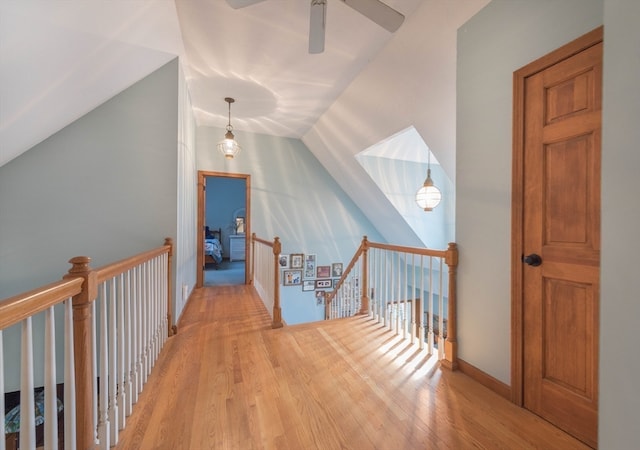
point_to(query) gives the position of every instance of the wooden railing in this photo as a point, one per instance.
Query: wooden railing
(265, 275)
(411, 290)
(116, 320)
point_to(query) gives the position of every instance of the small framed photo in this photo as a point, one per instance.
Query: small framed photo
(310, 266)
(292, 277)
(335, 282)
(296, 260)
(283, 261)
(323, 284)
(323, 272)
(336, 270)
(308, 285)
(320, 297)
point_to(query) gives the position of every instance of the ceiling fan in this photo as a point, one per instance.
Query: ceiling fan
(385, 16)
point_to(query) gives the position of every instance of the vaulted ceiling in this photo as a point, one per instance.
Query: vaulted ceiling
(61, 59)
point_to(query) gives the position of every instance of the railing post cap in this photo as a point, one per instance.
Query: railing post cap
(277, 246)
(80, 264)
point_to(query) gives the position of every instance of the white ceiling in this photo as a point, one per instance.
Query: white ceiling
(60, 59)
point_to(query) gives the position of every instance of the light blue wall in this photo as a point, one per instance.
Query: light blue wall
(185, 254)
(292, 197)
(396, 178)
(501, 38)
(104, 186)
(619, 305)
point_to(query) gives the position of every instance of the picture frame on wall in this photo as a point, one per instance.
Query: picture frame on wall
(323, 284)
(308, 285)
(283, 261)
(320, 296)
(292, 277)
(310, 266)
(323, 272)
(296, 260)
(336, 270)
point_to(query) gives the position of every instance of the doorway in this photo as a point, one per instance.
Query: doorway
(224, 228)
(556, 236)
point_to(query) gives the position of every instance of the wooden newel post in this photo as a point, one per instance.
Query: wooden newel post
(82, 337)
(450, 360)
(277, 311)
(171, 329)
(364, 303)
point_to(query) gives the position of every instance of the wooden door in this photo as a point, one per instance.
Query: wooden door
(560, 237)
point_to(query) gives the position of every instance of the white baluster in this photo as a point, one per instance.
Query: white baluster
(156, 309)
(128, 345)
(395, 292)
(164, 312)
(69, 379)
(430, 307)
(138, 330)
(27, 410)
(440, 315)
(414, 303)
(50, 391)
(103, 392)
(121, 381)
(94, 359)
(385, 281)
(421, 303)
(404, 299)
(112, 378)
(145, 324)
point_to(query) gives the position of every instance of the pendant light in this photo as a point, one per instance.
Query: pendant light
(228, 146)
(428, 196)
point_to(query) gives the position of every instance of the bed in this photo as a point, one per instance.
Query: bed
(213, 246)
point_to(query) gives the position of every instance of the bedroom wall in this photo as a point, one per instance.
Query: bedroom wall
(224, 197)
(619, 306)
(104, 186)
(292, 197)
(501, 38)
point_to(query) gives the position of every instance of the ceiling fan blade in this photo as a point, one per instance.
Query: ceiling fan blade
(237, 4)
(317, 25)
(385, 16)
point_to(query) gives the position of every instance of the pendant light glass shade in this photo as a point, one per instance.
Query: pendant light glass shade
(228, 146)
(428, 196)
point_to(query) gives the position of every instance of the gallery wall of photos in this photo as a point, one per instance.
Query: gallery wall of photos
(303, 270)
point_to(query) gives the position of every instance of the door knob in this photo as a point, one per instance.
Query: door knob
(532, 259)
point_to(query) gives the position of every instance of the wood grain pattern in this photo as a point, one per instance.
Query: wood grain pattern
(230, 381)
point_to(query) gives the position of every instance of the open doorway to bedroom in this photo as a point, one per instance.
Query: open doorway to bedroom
(223, 228)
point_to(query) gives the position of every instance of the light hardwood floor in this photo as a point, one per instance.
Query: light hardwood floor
(228, 381)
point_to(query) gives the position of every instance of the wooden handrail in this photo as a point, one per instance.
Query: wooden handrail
(17, 308)
(450, 257)
(111, 270)
(414, 250)
(262, 241)
(276, 247)
(345, 272)
(81, 285)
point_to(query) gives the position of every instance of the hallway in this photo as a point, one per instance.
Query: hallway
(228, 381)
